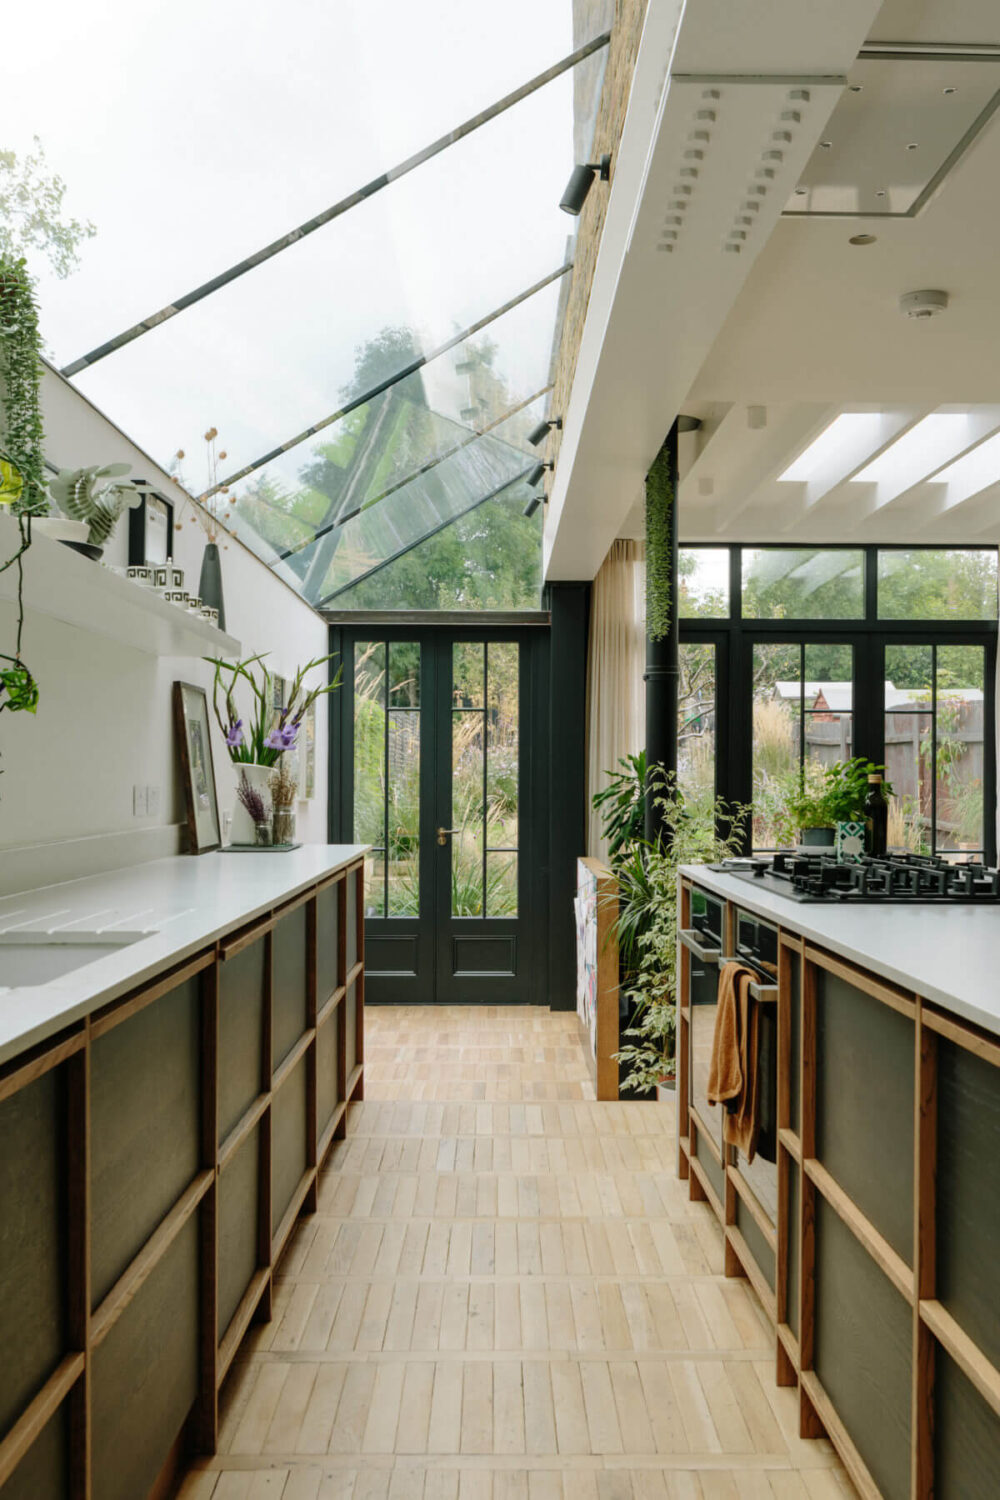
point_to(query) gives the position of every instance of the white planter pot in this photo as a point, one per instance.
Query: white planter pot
(244, 831)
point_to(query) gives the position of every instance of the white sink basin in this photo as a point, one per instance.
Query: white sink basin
(30, 958)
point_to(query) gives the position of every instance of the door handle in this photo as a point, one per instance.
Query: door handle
(443, 833)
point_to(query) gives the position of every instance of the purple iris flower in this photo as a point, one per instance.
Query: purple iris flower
(234, 734)
(282, 738)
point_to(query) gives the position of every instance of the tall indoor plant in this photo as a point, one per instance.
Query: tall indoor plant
(646, 921)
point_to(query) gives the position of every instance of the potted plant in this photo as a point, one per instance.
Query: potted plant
(846, 790)
(257, 745)
(646, 921)
(811, 818)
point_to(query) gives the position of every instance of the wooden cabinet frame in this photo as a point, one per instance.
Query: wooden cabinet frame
(87, 1327)
(934, 1328)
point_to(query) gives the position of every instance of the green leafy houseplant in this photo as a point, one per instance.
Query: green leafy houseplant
(620, 804)
(646, 922)
(847, 788)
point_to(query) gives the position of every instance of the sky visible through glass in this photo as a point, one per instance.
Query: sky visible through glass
(192, 135)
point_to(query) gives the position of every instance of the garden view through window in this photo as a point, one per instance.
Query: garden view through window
(807, 624)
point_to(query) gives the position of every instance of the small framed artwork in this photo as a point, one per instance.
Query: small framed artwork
(307, 740)
(192, 725)
(150, 531)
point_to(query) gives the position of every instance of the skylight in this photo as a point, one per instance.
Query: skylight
(850, 426)
(919, 453)
(372, 380)
(974, 471)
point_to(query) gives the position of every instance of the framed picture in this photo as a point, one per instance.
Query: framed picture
(150, 531)
(194, 739)
(307, 784)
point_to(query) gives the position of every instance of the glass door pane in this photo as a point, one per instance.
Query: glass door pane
(803, 722)
(484, 787)
(387, 774)
(696, 724)
(935, 748)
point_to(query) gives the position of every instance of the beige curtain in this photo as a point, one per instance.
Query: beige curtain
(616, 713)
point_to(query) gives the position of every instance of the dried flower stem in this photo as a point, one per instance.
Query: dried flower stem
(283, 785)
(252, 800)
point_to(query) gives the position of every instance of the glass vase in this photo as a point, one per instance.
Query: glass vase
(263, 835)
(284, 825)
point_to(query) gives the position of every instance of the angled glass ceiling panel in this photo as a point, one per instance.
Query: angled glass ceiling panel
(424, 505)
(252, 119)
(480, 398)
(431, 254)
(489, 558)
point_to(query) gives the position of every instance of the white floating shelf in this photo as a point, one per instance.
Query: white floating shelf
(69, 587)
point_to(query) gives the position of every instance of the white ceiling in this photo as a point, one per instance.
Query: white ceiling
(811, 329)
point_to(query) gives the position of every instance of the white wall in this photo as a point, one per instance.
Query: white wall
(104, 719)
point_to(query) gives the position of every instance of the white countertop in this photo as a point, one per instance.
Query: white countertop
(948, 954)
(181, 905)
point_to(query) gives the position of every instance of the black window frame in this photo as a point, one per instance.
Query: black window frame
(735, 637)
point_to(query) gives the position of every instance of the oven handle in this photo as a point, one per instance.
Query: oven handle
(689, 937)
(765, 994)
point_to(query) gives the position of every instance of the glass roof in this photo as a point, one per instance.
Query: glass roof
(223, 152)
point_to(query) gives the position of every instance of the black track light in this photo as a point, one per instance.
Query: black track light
(540, 433)
(532, 505)
(578, 187)
(538, 472)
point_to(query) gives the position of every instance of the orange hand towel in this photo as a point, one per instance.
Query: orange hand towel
(732, 1074)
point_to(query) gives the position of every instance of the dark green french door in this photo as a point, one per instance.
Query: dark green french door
(437, 774)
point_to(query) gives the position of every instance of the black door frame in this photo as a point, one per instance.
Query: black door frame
(533, 861)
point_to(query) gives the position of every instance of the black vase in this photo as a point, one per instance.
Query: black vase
(210, 582)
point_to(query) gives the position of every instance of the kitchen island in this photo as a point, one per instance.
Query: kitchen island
(165, 1108)
(871, 1239)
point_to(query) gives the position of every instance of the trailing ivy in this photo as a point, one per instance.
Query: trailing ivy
(659, 503)
(23, 438)
(22, 462)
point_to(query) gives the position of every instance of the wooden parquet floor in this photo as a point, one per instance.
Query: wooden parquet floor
(505, 1294)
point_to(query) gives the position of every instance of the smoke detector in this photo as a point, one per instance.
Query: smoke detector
(923, 304)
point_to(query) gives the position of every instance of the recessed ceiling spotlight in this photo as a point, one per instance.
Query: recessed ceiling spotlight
(856, 88)
(861, 239)
(826, 145)
(880, 192)
(911, 145)
(800, 192)
(951, 89)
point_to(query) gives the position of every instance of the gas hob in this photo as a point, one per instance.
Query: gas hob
(893, 878)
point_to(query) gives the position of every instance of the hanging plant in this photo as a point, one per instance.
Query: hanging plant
(20, 384)
(659, 502)
(22, 462)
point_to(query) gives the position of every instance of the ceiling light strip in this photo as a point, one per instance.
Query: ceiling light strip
(426, 468)
(180, 304)
(931, 51)
(385, 385)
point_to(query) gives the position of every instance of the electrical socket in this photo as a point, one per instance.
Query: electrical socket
(152, 801)
(139, 801)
